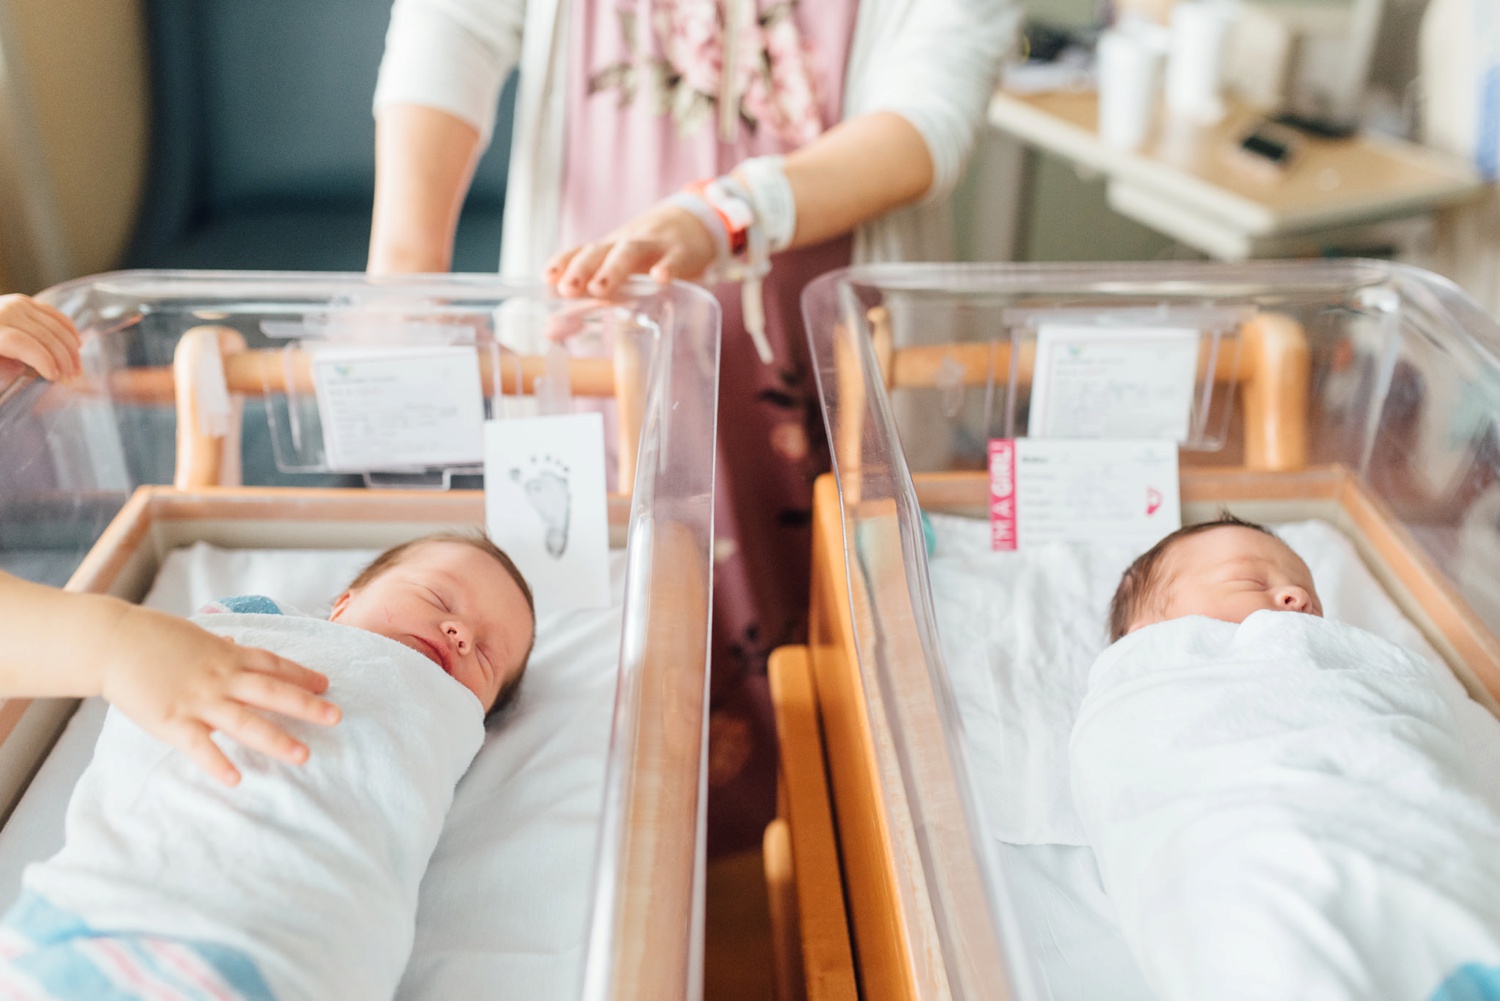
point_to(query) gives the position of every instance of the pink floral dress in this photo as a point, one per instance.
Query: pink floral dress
(649, 109)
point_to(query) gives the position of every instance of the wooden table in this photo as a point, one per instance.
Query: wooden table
(1184, 182)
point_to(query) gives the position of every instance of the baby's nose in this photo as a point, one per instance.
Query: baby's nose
(1294, 599)
(457, 635)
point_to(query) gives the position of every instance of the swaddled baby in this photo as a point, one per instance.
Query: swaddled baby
(300, 882)
(1283, 806)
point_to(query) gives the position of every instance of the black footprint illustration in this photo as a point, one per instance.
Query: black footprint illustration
(545, 481)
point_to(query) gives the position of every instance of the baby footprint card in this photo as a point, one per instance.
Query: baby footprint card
(546, 505)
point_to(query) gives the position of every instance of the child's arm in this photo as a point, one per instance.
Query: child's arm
(179, 682)
(35, 333)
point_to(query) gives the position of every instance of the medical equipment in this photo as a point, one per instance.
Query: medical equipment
(189, 354)
(1361, 394)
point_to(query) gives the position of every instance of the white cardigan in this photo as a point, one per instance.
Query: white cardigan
(934, 62)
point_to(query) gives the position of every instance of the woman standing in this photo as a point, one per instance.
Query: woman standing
(693, 138)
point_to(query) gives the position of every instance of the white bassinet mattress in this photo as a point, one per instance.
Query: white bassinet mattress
(504, 906)
(1018, 677)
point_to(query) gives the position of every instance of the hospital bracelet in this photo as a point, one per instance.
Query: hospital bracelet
(704, 213)
(733, 207)
(770, 192)
(726, 210)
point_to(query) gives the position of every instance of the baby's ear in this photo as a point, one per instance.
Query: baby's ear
(339, 604)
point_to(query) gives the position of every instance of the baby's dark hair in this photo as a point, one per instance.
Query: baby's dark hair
(481, 542)
(1143, 580)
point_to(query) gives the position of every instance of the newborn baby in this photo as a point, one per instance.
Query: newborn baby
(1222, 569)
(1280, 805)
(457, 600)
(300, 882)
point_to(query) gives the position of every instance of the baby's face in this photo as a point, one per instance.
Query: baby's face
(1227, 573)
(455, 606)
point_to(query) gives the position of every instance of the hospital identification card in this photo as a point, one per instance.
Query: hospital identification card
(546, 504)
(400, 407)
(1072, 490)
(1113, 382)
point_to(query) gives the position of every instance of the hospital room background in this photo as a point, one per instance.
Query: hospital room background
(226, 135)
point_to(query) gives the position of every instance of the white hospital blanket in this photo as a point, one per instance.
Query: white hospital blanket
(1019, 631)
(1289, 807)
(311, 871)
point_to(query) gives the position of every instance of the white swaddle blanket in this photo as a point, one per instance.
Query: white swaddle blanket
(1289, 808)
(310, 871)
(1020, 629)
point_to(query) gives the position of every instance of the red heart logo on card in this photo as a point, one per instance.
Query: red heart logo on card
(1153, 500)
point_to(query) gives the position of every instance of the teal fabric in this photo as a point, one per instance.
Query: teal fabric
(262, 140)
(1470, 982)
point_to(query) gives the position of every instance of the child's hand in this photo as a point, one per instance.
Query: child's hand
(40, 336)
(181, 683)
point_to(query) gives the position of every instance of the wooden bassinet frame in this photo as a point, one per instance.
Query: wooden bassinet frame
(211, 363)
(890, 938)
(657, 898)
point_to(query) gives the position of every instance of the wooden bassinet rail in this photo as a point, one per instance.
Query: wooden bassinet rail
(1270, 368)
(211, 363)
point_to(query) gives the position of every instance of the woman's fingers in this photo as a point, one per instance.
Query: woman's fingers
(278, 696)
(626, 258)
(558, 264)
(581, 268)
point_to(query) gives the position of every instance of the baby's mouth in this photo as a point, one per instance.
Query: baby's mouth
(433, 653)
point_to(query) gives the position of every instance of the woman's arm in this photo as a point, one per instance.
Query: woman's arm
(854, 172)
(440, 78)
(424, 161)
(860, 169)
(179, 682)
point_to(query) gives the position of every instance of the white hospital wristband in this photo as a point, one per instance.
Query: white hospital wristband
(704, 213)
(764, 178)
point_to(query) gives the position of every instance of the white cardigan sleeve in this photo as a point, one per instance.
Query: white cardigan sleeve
(453, 55)
(935, 63)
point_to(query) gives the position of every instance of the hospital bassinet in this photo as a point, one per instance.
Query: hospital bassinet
(209, 359)
(1361, 393)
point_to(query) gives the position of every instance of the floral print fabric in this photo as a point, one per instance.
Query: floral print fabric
(675, 53)
(644, 116)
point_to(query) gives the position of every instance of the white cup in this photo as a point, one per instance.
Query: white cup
(1129, 72)
(1200, 34)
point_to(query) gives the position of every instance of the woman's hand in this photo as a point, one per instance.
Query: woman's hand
(665, 241)
(40, 336)
(180, 683)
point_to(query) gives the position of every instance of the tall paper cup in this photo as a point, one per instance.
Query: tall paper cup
(1129, 72)
(1200, 34)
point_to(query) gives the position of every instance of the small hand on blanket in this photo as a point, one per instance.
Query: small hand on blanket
(180, 683)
